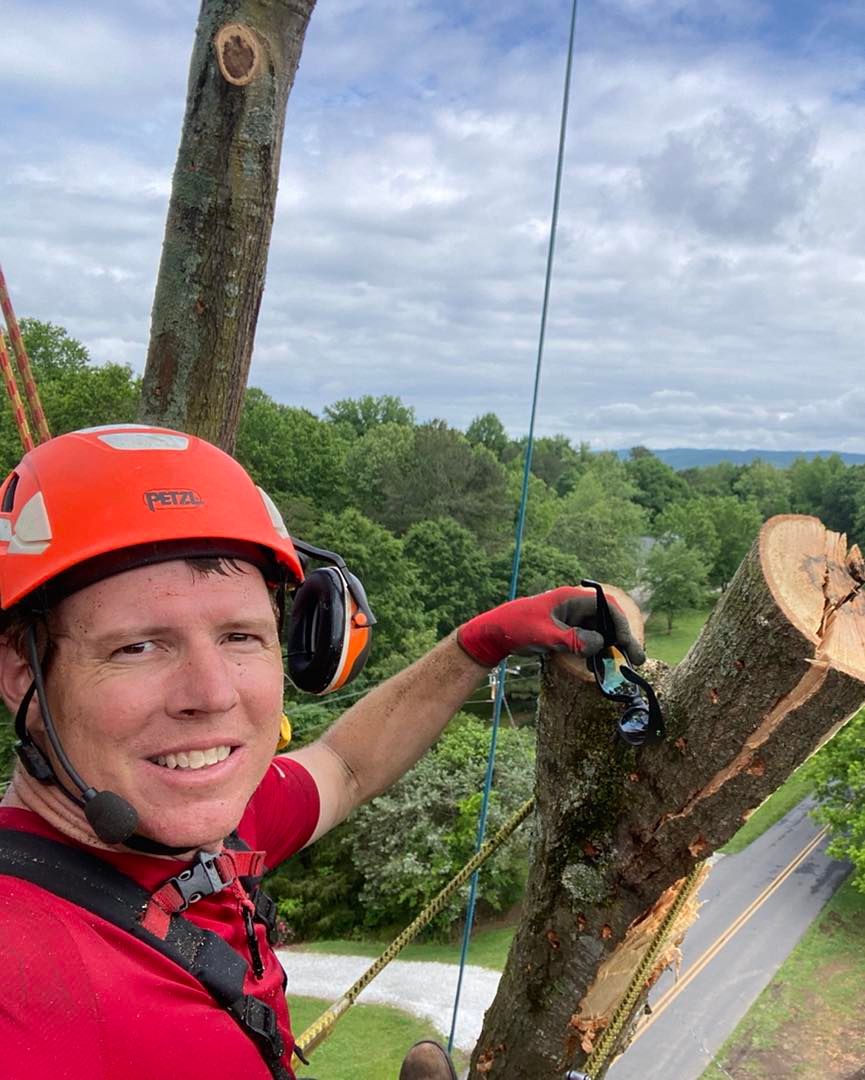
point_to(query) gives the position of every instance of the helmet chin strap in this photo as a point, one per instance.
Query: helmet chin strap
(112, 818)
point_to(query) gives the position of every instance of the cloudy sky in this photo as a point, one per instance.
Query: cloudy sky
(709, 285)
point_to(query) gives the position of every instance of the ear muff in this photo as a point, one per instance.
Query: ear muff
(329, 636)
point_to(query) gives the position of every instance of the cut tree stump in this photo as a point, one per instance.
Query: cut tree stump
(778, 668)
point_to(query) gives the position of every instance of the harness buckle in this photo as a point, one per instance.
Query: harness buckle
(199, 880)
(258, 1018)
(266, 912)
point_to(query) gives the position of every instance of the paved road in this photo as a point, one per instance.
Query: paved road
(685, 1037)
(683, 1040)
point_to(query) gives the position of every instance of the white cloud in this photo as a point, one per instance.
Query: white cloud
(708, 284)
(734, 174)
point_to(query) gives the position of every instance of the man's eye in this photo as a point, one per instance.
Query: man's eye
(137, 648)
(240, 638)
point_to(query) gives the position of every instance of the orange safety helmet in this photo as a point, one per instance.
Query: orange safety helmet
(141, 493)
(95, 502)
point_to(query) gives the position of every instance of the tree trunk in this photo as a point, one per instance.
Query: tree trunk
(779, 666)
(220, 215)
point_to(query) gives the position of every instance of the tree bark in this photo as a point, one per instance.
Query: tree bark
(220, 215)
(779, 666)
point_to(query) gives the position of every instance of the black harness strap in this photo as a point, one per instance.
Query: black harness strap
(98, 887)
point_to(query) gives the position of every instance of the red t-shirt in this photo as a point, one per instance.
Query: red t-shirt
(82, 1000)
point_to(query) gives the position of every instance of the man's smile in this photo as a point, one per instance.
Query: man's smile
(193, 759)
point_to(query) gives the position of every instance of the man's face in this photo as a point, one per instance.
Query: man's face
(166, 688)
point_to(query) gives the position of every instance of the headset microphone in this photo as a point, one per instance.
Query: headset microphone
(111, 817)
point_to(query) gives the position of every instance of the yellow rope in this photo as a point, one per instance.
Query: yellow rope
(317, 1032)
(597, 1058)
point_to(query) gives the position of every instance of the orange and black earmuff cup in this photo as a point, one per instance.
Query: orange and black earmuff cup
(329, 636)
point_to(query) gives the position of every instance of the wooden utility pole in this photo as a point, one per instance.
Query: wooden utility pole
(780, 665)
(220, 215)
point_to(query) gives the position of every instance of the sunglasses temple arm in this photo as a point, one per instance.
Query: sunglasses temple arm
(605, 619)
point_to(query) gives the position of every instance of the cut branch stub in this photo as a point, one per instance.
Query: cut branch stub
(779, 666)
(238, 53)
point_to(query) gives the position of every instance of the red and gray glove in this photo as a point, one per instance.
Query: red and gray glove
(561, 620)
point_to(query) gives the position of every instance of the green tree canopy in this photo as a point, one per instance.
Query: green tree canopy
(601, 527)
(489, 431)
(443, 475)
(381, 451)
(694, 522)
(394, 854)
(840, 791)
(556, 462)
(542, 567)
(360, 414)
(713, 479)
(767, 486)
(410, 841)
(736, 523)
(841, 504)
(542, 504)
(454, 571)
(677, 575)
(404, 631)
(811, 481)
(657, 484)
(298, 459)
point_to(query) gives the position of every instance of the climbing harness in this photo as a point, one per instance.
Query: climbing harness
(157, 918)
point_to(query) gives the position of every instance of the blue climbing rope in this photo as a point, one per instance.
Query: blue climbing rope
(521, 519)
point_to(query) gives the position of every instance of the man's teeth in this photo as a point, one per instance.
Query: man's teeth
(194, 759)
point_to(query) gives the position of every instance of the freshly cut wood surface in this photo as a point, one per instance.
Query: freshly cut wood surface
(779, 666)
(816, 582)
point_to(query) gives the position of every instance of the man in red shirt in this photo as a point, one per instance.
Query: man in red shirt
(143, 579)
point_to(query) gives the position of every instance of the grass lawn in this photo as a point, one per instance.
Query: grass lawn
(368, 1043)
(671, 646)
(488, 948)
(809, 1022)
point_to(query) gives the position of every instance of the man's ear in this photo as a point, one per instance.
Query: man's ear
(15, 675)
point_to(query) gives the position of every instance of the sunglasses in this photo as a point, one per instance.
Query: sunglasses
(641, 721)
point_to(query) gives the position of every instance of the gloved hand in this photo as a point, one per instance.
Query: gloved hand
(561, 620)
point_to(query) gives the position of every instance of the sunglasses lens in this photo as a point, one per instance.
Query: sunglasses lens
(612, 678)
(634, 725)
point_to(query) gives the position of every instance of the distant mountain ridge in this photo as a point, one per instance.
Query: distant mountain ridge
(687, 457)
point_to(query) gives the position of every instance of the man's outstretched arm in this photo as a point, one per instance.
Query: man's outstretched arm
(383, 735)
